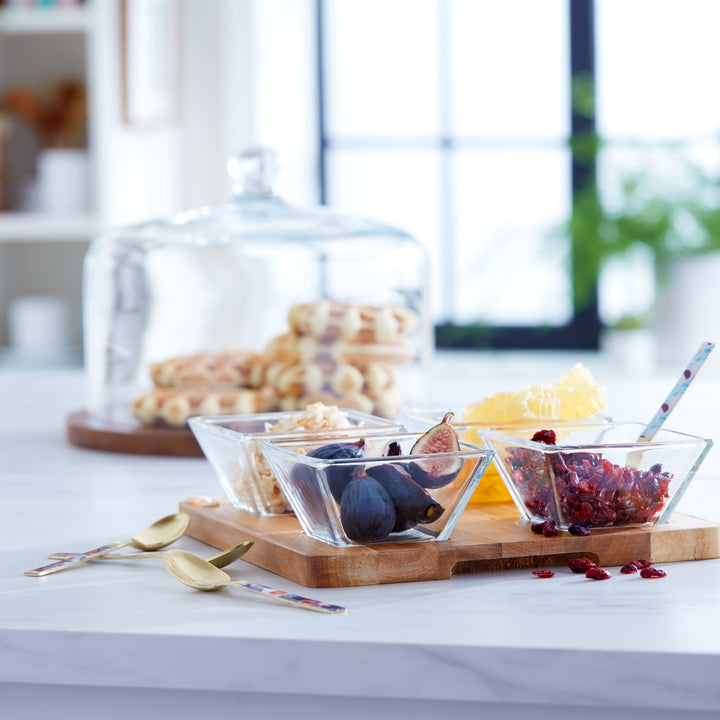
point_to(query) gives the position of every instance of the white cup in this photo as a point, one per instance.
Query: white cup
(38, 327)
(62, 181)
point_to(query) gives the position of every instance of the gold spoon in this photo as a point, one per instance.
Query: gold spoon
(192, 570)
(220, 560)
(161, 533)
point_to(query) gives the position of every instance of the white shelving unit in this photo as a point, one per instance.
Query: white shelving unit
(134, 170)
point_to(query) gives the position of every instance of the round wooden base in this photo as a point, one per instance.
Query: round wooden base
(87, 432)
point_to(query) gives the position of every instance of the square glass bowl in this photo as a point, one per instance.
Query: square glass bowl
(231, 444)
(492, 489)
(599, 475)
(375, 498)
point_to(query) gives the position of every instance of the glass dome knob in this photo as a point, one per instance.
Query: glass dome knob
(254, 172)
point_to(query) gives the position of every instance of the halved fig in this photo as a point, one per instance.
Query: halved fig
(436, 472)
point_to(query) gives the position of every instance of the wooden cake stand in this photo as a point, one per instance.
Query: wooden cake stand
(85, 431)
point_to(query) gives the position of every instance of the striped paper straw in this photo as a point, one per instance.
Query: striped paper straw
(690, 373)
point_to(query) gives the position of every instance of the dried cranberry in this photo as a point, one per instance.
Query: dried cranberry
(628, 569)
(579, 528)
(546, 528)
(652, 572)
(545, 436)
(581, 565)
(543, 573)
(590, 488)
(597, 573)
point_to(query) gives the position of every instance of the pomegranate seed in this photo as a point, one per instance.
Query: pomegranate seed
(628, 569)
(581, 565)
(641, 564)
(652, 572)
(543, 573)
(545, 436)
(579, 528)
(597, 573)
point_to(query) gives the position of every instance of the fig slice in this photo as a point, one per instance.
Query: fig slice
(436, 472)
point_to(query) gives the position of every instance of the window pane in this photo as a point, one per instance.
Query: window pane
(400, 188)
(509, 67)
(381, 67)
(510, 268)
(657, 67)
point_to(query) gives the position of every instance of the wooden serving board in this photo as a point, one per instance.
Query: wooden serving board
(88, 432)
(487, 537)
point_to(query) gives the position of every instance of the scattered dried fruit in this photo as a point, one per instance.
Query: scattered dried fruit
(581, 565)
(597, 573)
(543, 573)
(579, 528)
(545, 436)
(652, 572)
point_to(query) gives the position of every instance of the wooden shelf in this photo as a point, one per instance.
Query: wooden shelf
(27, 227)
(42, 20)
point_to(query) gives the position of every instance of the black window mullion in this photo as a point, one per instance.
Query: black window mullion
(583, 331)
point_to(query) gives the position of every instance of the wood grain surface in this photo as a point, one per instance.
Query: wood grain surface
(85, 431)
(487, 537)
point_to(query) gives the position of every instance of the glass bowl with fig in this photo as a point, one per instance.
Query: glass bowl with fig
(599, 476)
(392, 487)
(231, 445)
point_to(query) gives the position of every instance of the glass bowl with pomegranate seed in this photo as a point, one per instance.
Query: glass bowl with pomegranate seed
(599, 475)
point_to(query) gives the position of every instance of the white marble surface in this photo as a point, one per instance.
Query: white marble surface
(121, 636)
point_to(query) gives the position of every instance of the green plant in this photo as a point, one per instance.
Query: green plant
(672, 206)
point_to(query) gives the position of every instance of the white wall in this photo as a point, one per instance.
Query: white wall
(249, 79)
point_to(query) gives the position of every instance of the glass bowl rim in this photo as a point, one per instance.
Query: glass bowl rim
(683, 440)
(212, 423)
(435, 411)
(279, 446)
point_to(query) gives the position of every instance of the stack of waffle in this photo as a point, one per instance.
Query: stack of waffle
(335, 353)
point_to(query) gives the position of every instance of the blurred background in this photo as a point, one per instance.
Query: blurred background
(558, 159)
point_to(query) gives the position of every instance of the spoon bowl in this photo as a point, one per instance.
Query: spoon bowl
(159, 534)
(197, 573)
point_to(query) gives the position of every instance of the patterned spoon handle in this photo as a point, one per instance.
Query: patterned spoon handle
(75, 559)
(295, 600)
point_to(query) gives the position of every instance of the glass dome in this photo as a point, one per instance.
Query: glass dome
(253, 306)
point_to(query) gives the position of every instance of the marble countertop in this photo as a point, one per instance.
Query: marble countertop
(496, 639)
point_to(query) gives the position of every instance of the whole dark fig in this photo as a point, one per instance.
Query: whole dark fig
(339, 476)
(412, 504)
(366, 510)
(436, 472)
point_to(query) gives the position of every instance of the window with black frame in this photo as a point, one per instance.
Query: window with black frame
(482, 126)
(456, 125)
